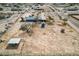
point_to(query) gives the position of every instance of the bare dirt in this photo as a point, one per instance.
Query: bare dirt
(50, 41)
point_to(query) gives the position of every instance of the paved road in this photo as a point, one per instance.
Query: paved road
(74, 23)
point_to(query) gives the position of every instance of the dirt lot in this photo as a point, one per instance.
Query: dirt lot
(46, 41)
(50, 41)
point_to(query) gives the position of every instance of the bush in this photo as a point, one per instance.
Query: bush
(1, 9)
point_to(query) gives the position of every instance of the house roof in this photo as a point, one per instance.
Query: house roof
(42, 16)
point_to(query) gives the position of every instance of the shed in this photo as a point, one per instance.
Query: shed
(14, 41)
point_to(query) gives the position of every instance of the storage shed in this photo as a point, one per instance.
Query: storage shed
(13, 42)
